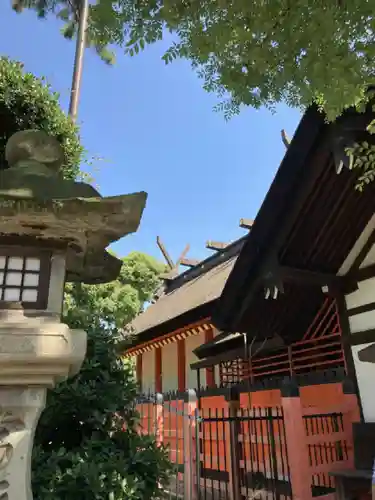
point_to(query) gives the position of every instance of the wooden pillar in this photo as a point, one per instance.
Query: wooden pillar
(296, 442)
(233, 446)
(158, 370)
(345, 338)
(210, 372)
(158, 418)
(139, 371)
(181, 361)
(191, 451)
(351, 415)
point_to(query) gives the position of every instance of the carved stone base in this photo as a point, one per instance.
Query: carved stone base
(20, 409)
(36, 352)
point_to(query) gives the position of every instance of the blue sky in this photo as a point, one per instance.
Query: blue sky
(155, 129)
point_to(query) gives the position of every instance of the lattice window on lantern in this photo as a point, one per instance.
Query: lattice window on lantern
(21, 279)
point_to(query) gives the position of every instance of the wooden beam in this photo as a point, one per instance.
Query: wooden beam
(158, 367)
(210, 372)
(367, 354)
(364, 273)
(139, 371)
(181, 365)
(285, 139)
(216, 245)
(170, 275)
(363, 253)
(306, 277)
(183, 254)
(246, 223)
(165, 253)
(189, 262)
(363, 337)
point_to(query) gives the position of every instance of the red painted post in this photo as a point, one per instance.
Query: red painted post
(191, 443)
(210, 373)
(158, 418)
(233, 446)
(181, 363)
(295, 435)
(139, 371)
(158, 370)
(351, 415)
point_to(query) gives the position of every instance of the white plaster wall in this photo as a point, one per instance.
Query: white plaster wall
(358, 323)
(362, 322)
(169, 364)
(148, 371)
(366, 378)
(364, 295)
(369, 259)
(191, 375)
(357, 247)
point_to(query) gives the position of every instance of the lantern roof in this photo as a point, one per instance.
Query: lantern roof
(38, 204)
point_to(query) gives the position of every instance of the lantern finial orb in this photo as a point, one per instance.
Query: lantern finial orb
(30, 147)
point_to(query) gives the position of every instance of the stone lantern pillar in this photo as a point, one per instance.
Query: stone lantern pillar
(51, 230)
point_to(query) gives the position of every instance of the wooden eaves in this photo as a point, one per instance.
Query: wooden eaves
(307, 224)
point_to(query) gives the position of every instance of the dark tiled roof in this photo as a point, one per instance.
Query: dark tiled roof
(193, 288)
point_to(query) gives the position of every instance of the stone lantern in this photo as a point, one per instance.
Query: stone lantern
(51, 231)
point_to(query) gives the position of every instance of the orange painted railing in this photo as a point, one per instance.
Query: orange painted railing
(166, 421)
(326, 320)
(321, 347)
(304, 436)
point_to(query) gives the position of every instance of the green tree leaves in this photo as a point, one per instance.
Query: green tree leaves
(253, 53)
(249, 53)
(28, 102)
(118, 302)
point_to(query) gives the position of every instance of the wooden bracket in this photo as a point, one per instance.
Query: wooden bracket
(216, 245)
(246, 223)
(189, 262)
(285, 139)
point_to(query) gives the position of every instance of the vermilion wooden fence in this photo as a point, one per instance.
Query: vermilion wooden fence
(224, 449)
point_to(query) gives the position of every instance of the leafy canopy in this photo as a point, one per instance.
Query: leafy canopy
(254, 53)
(28, 102)
(118, 302)
(87, 446)
(68, 11)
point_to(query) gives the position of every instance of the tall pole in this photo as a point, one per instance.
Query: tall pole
(78, 58)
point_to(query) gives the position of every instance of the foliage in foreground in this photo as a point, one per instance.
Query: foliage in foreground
(249, 53)
(254, 53)
(87, 447)
(28, 102)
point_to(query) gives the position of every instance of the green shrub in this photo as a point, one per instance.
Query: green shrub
(28, 102)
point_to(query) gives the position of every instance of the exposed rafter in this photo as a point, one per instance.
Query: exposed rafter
(189, 262)
(303, 276)
(273, 281)
(173, 267)
(285, 139)
(216, 245)
(170, 275)
(166, 255)
(246, 223)
(183, 254)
